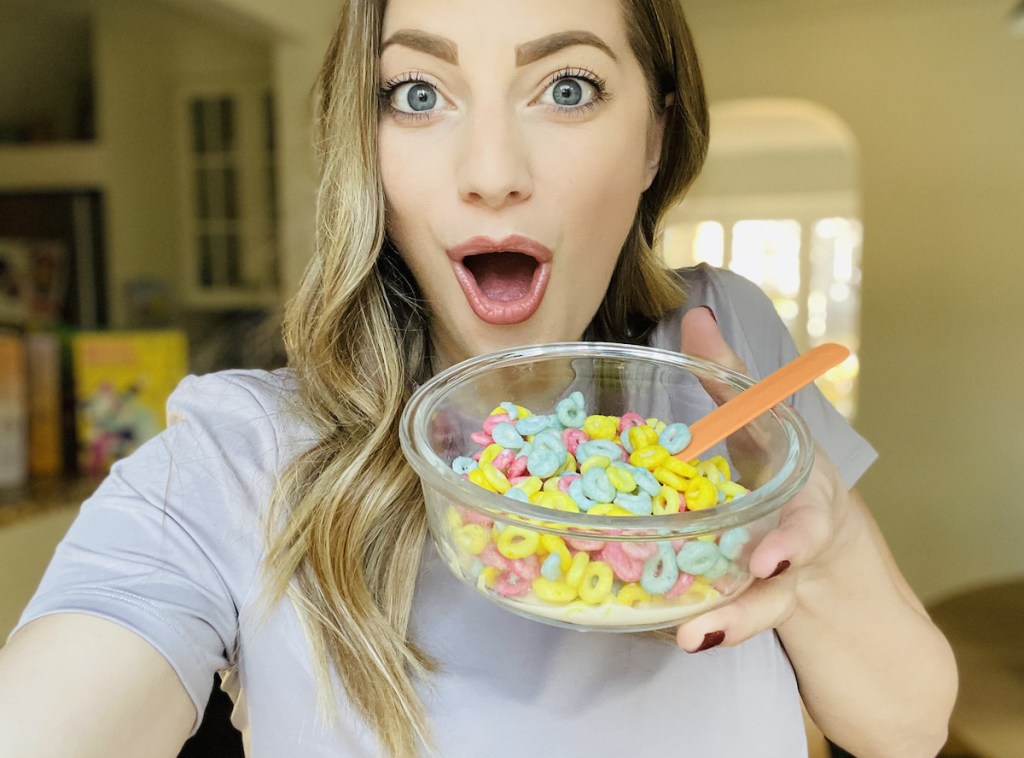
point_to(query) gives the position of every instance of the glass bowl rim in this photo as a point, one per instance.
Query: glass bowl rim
(433, 471)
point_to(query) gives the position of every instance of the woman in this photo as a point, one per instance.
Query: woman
(494, 178)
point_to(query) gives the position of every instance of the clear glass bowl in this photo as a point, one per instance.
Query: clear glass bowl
(703, 554)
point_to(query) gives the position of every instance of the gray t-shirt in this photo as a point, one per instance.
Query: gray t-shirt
(170, 545)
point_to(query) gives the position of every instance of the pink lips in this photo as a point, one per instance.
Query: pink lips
(512, 307)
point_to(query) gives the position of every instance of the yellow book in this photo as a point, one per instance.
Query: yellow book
(121, 384)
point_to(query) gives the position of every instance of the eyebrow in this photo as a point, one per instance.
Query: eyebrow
(526, 53)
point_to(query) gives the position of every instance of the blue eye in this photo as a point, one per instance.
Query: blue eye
(415, 97)
(571, 92)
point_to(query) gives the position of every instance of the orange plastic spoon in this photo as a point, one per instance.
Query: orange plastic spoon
(760, 397)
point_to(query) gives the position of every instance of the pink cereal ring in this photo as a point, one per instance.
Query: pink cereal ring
(677, 545)
(565, 481)
(492, 421)
(491, 557)
(517, 468)
(503, 460)
(641, 551)
(572, 438)
(629, 420)
(586, 546)
(472, 517)
(526, 568)
(627, 569)
(682, 585)
(509, 584)
(481, 438)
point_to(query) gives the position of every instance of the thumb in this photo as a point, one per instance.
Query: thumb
(702, 338)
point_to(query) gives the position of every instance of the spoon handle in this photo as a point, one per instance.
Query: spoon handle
(760, 397)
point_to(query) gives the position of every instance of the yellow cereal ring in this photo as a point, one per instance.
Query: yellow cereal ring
(632, 593)
(722, 465)
(596, 583)
(480, 480)
(731, 489)
(531, 485)
(600, 461)
(700, 494)
(552, 544)
(669, 479)
(516, 542)
(558, 501)
(601, 427)
(679, 467)
(657, 425)
(710, 471)
(487, 577)
(452, 519)
(490, 452)
(641, 437)
(498, 481)
(550, 484)
(609, 509)
(574, 575)
(666, 501)
(569, 467)
(553, 592)
(472, 538)
(649, 457)
(621, 479)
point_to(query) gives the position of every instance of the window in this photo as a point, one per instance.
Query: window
(778, 204)
(230, 233)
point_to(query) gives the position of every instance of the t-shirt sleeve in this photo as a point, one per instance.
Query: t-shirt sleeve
(168, 544)
(751, 325)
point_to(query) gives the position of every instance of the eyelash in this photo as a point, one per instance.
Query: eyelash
(386, 91)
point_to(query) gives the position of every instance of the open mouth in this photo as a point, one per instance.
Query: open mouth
(504, 281)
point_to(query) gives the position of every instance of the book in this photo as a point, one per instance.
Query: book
(121, 382)
(45, 404)
(13, 410)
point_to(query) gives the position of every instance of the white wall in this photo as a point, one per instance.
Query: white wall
(144, 51)
(934, 92)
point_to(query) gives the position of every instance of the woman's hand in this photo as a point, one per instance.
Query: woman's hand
(875, 674)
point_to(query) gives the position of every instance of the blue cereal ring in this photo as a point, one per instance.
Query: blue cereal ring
(531, 424)
(606, 448)
(696, 557)
(517, 494)
(646, 481)
(731, 543)
(640, 504)
(463, 465)
(543, 463)
(570, 414)
(597, 486)
(660, 570)
(511, 409)
(719, 569)
(507, 436)
(576, 493)
(675, 437)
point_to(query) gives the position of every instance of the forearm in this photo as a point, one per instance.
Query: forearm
(876, 674)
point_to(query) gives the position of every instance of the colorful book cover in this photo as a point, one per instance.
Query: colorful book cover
(121, 384)
(13, 410)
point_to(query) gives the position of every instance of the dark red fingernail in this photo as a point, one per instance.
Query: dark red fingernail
(710, 640)
(710, 312)
(783, 565)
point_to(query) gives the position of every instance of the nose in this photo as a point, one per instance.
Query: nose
(494, 161)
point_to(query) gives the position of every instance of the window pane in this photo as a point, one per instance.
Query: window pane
(227, 123)
(198, 127)
(768, 253)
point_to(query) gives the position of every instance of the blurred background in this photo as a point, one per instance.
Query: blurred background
(867, 170)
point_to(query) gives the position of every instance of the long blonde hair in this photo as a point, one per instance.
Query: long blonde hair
(346, 524)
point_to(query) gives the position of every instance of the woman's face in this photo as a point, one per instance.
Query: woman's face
(516, 137)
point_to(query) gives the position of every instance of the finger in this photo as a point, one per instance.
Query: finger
(804, 531)
(765, 605)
